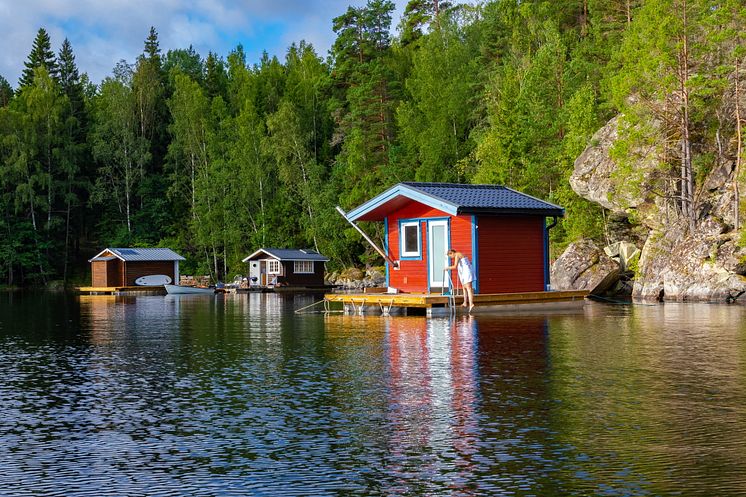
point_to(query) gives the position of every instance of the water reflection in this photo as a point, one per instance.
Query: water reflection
(432, 392)
(238, 395)
(651, 399)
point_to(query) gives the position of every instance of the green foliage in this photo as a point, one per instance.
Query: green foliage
(367, 91)
(183, 61)
(436, 119)
(216, 157)
(6, 92)
(41, 55)
(523, 142)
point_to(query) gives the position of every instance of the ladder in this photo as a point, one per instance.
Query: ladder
(449, 290)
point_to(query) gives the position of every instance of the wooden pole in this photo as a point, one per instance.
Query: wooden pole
(368, 239)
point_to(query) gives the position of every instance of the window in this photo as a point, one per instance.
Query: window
(410, 239)
(273, 266)
(301, 267)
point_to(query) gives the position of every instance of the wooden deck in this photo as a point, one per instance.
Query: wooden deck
(122, 290)
(364, 303)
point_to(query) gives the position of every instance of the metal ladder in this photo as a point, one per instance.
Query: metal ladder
(449, 291)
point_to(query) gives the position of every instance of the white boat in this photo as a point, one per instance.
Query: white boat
(183, 290)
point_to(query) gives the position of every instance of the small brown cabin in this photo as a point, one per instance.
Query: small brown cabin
(117, 267)
(270, 267)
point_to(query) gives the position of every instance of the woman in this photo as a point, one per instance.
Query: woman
(465, 275)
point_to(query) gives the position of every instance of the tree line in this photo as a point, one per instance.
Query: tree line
(216, 156)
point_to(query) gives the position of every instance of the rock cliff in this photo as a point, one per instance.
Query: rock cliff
(677, 263)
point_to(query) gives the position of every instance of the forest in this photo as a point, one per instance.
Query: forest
(215, 156)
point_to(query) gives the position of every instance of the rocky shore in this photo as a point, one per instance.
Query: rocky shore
(675, 262)
(353, 278)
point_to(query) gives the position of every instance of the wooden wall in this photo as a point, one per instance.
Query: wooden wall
(289, 278)
(106, 273)
(511, 254)
(134, 270)
(119, 273)
(412, 275)
(98, 274)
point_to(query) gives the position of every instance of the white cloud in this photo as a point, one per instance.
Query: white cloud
(102, 32)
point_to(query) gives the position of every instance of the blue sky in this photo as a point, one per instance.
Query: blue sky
(103, 32)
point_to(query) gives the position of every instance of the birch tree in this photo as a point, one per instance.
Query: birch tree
(117, 146)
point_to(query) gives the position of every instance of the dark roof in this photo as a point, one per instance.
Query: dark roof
(290, 254)
(142, 254)
(454, 199)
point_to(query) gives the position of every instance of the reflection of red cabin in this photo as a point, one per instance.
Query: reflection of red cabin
(114, 267)
(503, 232)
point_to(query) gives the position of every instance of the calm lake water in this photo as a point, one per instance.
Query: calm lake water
(237, 395)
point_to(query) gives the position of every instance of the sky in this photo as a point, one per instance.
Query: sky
(103, 32)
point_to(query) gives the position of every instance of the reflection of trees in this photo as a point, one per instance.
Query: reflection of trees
(649, 399)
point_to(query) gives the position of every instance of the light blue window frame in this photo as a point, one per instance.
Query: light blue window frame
(410, 256)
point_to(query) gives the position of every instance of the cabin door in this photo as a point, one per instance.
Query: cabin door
(255, 273)
(437, 245)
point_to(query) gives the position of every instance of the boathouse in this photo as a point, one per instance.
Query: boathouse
(273, 267)
(502, 231)
(120, 267)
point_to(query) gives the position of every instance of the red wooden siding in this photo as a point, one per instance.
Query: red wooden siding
(412, 275)
(511, 254)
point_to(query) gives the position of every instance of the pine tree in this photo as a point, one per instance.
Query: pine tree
(74, 151)
(41, 56)
(6, 92)
(216, 80)
(149, 92)
(69, 79)
(417, 16)
(367, 88)
(152, 48)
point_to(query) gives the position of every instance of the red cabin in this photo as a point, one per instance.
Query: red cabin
(502, 231)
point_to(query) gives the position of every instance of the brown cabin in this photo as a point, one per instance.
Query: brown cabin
(118, 267)
(271, 267)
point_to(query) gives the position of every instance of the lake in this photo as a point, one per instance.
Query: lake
(238, 395)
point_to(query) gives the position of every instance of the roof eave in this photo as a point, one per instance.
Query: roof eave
(558, 212)
(107, 250)
(257, 252)
(537, 199)
(402, 190)
(284, 259)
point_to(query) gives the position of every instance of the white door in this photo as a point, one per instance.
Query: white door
(255, 274)
(437, 245)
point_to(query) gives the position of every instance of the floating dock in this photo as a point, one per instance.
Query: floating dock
(122, 290)
(437, 304)
(285, 289)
